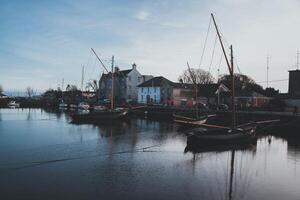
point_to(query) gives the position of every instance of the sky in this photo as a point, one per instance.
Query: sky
(43, 42)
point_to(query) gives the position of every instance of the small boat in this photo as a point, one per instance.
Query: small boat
(100, 108)
(73, 107)
(63, 105)
(13, 104)
(83, 106)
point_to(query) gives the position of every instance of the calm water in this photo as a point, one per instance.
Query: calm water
(43, 156)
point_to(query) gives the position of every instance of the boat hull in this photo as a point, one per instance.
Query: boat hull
(221, 136)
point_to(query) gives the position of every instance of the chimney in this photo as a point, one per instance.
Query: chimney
(133, 66)
(117, 69)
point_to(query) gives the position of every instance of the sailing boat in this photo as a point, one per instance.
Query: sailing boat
(103, 115)
(213, 134)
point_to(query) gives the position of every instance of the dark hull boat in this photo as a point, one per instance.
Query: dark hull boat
(221, 136)
(99, 116)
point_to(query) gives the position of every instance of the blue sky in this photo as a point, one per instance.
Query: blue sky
(42, 42)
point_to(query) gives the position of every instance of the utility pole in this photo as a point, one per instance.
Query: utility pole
(298, 60)
(62, 84)
(82, 78)
(268, 71)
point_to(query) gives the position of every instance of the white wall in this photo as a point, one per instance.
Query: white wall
(133, 80)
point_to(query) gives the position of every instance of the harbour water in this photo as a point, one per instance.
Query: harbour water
(44, 156)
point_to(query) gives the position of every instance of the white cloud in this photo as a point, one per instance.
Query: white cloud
(142, 15)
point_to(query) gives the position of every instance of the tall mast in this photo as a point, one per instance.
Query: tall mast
(232, 90)
(223, 49)
(196, 87)
(268, 71)
(112, 84)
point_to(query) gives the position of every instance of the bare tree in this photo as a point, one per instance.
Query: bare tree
(93, 84)
(200, 76)
(29, 92)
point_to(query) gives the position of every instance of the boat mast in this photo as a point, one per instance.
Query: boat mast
(194, 80)
(232, 90)
(231, 72)
(220, 39)
(112, 84)
(82, 78)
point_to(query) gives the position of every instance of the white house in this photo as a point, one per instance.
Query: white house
(155, 90)
(133, 79)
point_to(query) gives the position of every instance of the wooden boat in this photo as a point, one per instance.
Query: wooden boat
(222, 135)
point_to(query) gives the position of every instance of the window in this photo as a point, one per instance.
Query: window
(148, 90)
(142, 89)
(142, 97)
(155, 89)
(129, 78)
(139, 79)
(154, 98)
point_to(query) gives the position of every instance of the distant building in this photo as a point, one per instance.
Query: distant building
(213, 93)
(183, 94)
(125, 84)
(294, 82)
(156, 90)
(252, 99)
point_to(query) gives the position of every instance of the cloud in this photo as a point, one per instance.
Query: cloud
(142, 15)
(57, 37)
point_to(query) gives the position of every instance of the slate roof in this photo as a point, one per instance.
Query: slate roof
(155, 82)
(125, 72)
(208, 90)
(183, 85)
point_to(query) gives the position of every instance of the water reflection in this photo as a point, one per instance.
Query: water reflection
(135, 159)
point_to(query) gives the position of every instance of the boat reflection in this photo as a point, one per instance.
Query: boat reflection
(232, 189)
(191, 147)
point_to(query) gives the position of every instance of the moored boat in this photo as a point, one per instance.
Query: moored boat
(83, 106)
(13, 104)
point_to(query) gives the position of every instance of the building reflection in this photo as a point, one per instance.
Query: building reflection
(293, 149)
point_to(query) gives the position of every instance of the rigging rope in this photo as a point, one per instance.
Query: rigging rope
(213, 53)
(203, 50)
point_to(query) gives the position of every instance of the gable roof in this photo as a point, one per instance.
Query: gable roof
(155, 82)
(209, 90)
(184, 85)
(125, 72)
